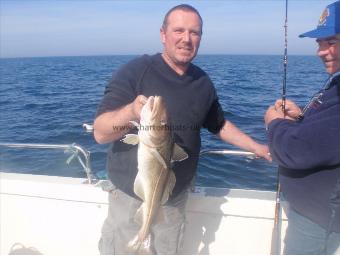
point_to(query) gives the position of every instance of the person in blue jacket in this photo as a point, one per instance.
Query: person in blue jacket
(306, 145)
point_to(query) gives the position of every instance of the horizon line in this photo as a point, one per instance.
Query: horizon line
(135, 54)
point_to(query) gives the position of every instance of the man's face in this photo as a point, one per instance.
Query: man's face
(181, 37)
(329, 52)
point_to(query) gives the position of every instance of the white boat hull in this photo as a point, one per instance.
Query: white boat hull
(46, 215)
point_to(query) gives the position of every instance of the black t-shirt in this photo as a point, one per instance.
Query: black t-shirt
(191, 103)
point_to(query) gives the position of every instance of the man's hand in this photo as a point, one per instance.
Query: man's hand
(262, 151)
(273, 113)
(292, 111)
(111, 126)
(136, 107)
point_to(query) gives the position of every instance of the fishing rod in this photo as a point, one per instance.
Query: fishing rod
(276, 234)
(285, 61)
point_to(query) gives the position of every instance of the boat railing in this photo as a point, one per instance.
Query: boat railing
(77, 151)
(83, 155)
(88, 127)
(208, 152)
(228, 152)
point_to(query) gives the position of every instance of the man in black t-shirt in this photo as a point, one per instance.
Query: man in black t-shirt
(191, 102)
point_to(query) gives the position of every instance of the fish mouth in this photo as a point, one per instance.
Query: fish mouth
(154, 112)
(154, 121)
(150, 103)
(157, 103)
(157, 108)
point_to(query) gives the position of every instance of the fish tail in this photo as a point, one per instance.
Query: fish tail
(134, 244)
(141, 247)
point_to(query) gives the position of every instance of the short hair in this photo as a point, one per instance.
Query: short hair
(183, 7)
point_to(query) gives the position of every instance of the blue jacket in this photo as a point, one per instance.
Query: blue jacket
(308, 154)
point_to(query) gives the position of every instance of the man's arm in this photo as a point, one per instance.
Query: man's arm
(311, 143)
(231, 134)
(111, 126)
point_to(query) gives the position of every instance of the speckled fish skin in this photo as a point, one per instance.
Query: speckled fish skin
(155, 180)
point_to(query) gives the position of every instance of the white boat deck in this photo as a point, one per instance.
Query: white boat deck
(45, 215)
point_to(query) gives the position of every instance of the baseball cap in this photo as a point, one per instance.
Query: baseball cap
(329, 23)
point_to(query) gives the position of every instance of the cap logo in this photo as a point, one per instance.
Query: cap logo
(323, 17)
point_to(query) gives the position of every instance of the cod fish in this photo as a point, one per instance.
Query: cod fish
(155, 180)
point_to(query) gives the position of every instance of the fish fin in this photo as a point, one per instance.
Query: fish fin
(146, 248)
(139, 215)
(138, 188)
(138, 244)
(159, 157)
(143, 247)
(134, 245)
(178, 153)
(130, 139)
(169, 187)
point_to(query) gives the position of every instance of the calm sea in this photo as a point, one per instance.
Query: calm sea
(46, 100)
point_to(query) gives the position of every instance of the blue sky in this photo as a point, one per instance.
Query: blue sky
(103, 27)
